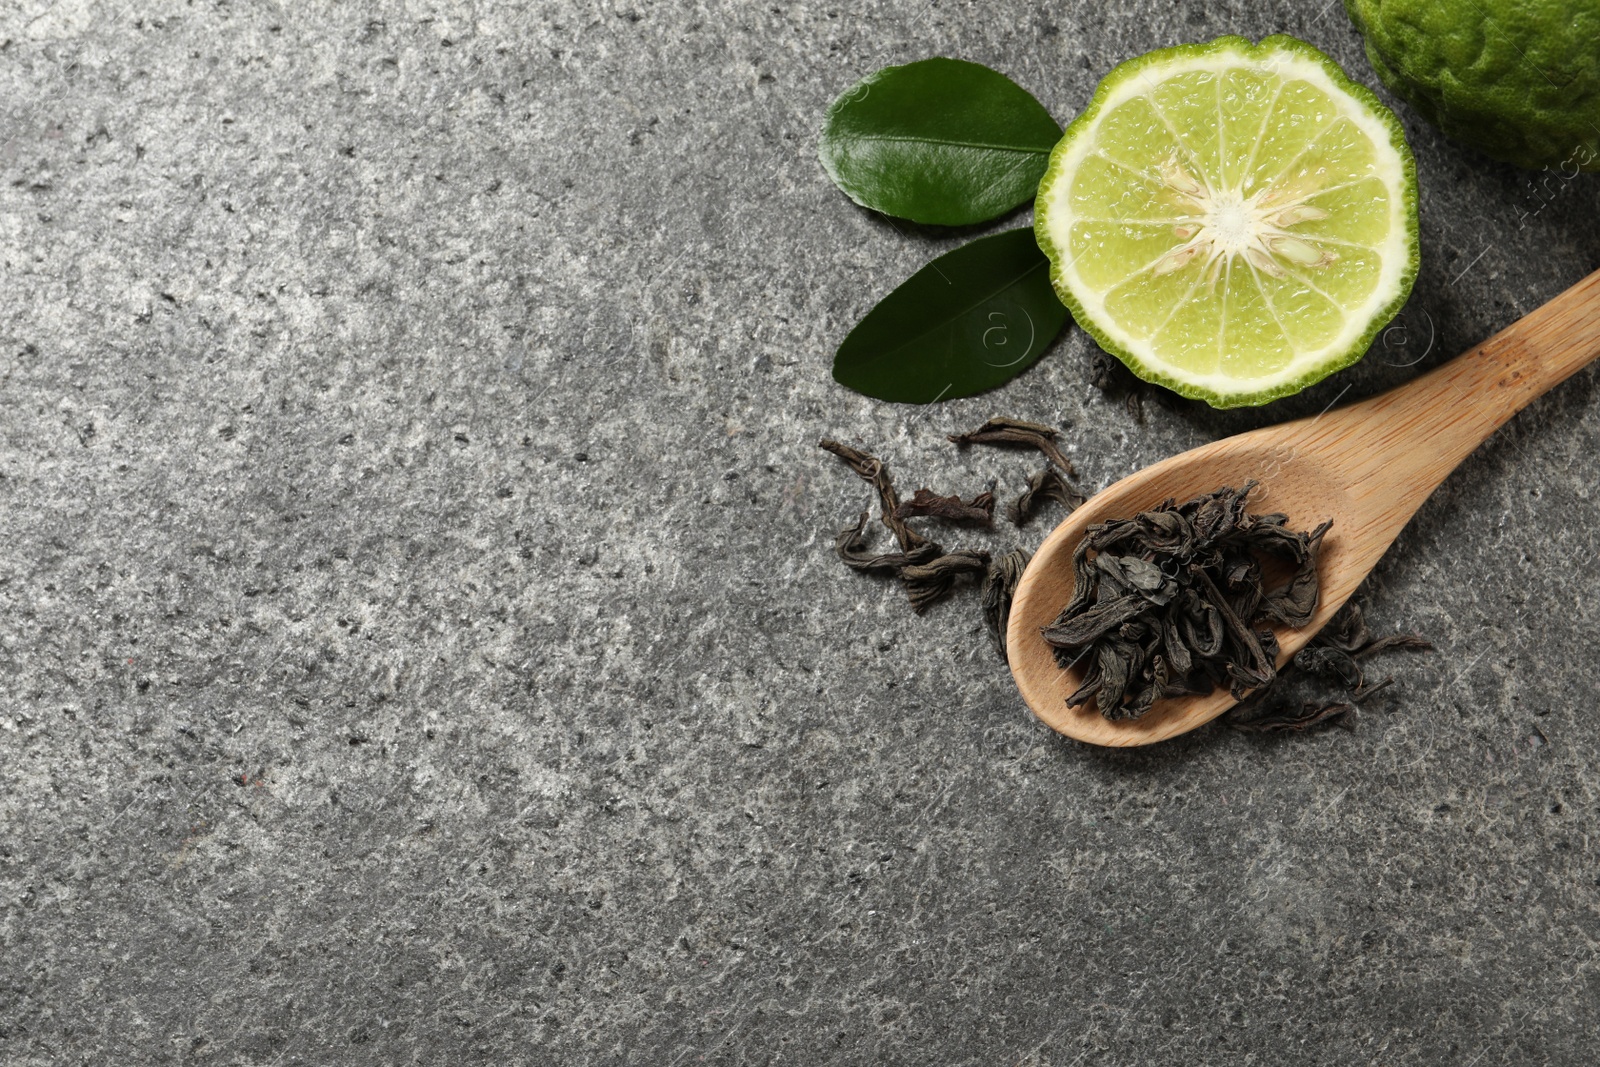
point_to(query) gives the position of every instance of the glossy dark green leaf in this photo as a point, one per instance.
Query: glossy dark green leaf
(939, 141)
(969, 321)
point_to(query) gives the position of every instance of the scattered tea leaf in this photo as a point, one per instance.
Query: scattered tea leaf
(852, 547)
(871, 469)
(1348, 632)
(1328, 662)
(925, 502)
(999, 586)
(1407, 642)
(1286, 719)
(939, 141)
(1002, 431)
(1043, 487)
(969, 321)
(1112, 377)
(1365, 691)
(928, 583)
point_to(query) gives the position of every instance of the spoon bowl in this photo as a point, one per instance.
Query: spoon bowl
(1368, 467)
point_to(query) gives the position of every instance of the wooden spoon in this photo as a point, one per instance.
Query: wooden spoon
(1368, 467)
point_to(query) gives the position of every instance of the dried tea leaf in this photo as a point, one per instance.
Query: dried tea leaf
(1347, 631)
(926, 570)
(1295, 603)
(1087, 627)
(1287, 718)
(999, 586)
(928, 583)
(851, 546)
(1247, 663)
(1117, 665)
(979, 510)
(1202, 627)
(1043, 487)
(1407, 642)
(1365, 691)
(1002, 431)
(871, 469)
(1329, 662)
(1111, 376)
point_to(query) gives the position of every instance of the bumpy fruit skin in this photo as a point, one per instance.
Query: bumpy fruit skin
(1519, 80)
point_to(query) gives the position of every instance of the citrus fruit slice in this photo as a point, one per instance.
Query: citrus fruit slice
(1233, 221)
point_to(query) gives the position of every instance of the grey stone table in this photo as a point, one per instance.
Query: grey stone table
(421, 638)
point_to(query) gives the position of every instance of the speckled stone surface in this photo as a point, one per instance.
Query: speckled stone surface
(421, 638)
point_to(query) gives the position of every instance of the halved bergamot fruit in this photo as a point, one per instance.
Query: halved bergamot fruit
(1233, 221)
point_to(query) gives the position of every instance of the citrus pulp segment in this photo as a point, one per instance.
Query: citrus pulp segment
(1233, 221)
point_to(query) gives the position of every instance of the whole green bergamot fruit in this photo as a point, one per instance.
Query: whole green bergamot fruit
(1519, 80)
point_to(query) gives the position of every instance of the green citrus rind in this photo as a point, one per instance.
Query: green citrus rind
(1404, 267)
(1518, 81)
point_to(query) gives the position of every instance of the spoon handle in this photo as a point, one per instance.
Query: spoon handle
(1415, 435)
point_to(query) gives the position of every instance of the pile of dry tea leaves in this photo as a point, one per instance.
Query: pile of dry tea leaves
(1173, 601)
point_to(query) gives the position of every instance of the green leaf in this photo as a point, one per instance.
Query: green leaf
(969, 321)
(939, 141)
